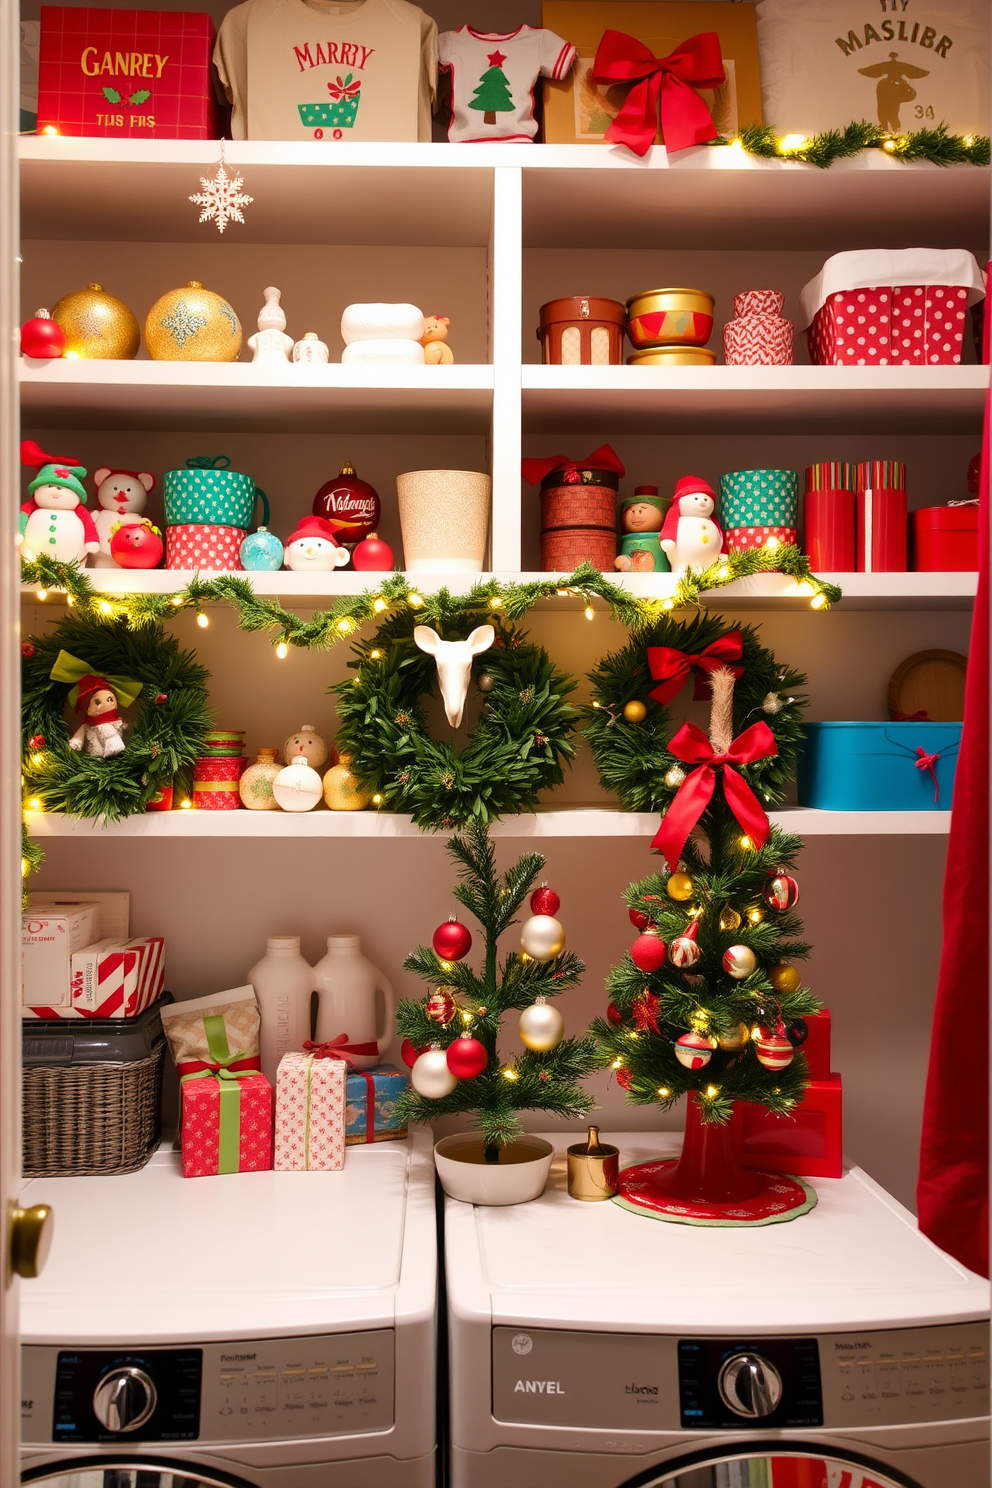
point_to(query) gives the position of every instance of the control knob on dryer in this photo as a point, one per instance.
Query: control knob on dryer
(124, 1399)
(749, 1385)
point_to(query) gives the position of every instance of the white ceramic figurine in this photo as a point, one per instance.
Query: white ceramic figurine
(691, 537)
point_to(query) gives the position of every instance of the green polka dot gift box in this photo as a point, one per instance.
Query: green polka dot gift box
(208, 493)
(758, 498)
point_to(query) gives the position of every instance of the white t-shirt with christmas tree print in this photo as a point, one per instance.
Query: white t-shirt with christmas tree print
(332, 70)
(493, 76)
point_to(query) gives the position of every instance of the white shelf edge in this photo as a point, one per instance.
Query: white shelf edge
(575, 823)
(244, 376)
(722, 380)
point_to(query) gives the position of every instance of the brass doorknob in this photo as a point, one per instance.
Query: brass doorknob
(31, 1233)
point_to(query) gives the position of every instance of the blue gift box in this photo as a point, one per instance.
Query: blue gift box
(390, 1083)
(879, 766)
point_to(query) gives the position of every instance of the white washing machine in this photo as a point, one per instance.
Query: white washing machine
(591, 1347)
(270, 1329)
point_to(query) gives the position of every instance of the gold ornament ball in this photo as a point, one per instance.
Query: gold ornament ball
(784, 977)
(485, 682)
(541, 1027)
(192, 325)
(679, 887)
(635, 711)
(97, 325)
(674, 777)
(542, 937)
(729, 919)
(342, 790)
(734, 1038)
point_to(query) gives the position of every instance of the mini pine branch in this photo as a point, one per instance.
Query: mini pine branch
(547, 1081)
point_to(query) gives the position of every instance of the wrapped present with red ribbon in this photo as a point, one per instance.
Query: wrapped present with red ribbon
(663, 90)
(310, 1101)
(226, 1111)
(370, 1094)
(691, 746)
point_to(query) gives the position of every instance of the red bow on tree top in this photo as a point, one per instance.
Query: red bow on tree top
(671, 668)
(691, 745)
(664, 87)
(604, 458)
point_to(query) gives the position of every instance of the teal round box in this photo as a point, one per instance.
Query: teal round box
(878, 766)
(209, 493)
(759, 498)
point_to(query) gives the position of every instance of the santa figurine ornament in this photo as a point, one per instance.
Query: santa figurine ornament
(97, 699)
(691, 538)
(122, 495)
(54, 522)
(314, 548)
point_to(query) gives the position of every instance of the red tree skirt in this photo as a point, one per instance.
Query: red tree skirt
(644, 1189)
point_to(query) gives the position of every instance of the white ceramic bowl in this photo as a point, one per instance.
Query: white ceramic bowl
(466, 1175)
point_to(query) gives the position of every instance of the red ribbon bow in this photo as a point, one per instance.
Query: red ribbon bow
(920, 716)
(929, 762)
(339, 1048)
(604, 458)
(691, 745)
(664, 87)
(671, 668)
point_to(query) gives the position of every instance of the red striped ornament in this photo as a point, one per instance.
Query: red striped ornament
(774, 1051)
(694, 1051)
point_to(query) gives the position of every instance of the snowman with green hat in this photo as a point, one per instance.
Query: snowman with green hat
(54, 522)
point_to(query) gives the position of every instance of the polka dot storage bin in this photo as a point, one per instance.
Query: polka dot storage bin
(209, 493)
(758, 498)
(209, 549)
(739, 539)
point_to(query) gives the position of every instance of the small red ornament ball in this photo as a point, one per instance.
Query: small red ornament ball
(440, 1007)
(372, 555)
(638, 920)
(37, 741)
(409, 1054)
(780, 891)
(544, 901)
(648, 951)
(467, 1057)
(27, 650)
(613, 1014)
(452, 940)
(42, 337)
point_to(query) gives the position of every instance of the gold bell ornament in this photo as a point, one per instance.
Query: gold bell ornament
(97, 325)
(192, 325)
(593, 1168)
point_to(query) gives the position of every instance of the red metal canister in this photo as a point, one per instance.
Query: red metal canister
(829, 541)
(945, 538)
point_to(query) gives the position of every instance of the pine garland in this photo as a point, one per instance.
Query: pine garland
(171, 720)
(938, 146)
(32, 858)
(547, 1082)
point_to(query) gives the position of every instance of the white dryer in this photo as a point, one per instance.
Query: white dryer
(591, 1347)
(266, 1330)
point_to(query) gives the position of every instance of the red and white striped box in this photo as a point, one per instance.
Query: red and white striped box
(194, 545)
(741, 538)
(758, 341)
(112, 979)
(907, 325)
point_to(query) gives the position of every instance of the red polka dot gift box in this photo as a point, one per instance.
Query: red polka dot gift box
(209, 549)
(891, 307)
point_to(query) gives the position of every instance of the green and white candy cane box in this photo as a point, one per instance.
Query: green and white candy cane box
(209, 493)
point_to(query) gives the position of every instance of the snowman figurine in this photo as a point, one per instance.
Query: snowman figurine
(270, 346)
(102, 726)
(313, 547)
(691, 538)
(54, 522)
(122, 495)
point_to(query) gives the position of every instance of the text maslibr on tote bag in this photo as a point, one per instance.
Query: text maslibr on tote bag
(901, 64)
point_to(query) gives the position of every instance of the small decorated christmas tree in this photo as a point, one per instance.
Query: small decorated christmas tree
(451, 1038)
(493, 96)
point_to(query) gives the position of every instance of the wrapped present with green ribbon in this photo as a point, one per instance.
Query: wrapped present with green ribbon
(758, 498)
(209, 493)
(227, 1109)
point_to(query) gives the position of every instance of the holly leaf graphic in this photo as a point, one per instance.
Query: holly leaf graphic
(140, 96)
(111, 95)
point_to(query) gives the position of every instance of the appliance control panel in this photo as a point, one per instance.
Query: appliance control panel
(658, 1382)
(254, 1390)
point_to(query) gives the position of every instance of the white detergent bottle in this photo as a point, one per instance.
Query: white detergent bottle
(347, 984)
(283, 983)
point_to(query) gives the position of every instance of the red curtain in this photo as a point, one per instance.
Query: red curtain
(953, 1190)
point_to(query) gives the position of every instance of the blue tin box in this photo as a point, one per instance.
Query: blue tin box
(389, 1083)
(879, 766)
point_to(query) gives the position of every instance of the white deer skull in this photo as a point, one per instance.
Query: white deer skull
(454, 664)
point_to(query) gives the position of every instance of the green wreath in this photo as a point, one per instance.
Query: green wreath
(633, 758)
(521, 740)
(166, 732)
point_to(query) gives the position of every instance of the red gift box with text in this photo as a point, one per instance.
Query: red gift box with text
(809, 1142)
(201, 1124)
(126, 74)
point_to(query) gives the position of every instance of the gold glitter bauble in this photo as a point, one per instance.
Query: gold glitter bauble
(635, 711)
(734, 1038)
(192, 325)
(343, 791)
(679, 886)
(97, 325)
(784, 977)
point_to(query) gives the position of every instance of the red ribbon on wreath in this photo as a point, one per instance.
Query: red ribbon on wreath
(691, 745)
(663, 88)
(604, 458)
(671, 667)
(339, 1048)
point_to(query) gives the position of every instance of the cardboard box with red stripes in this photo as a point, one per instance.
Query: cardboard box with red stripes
(112, 979)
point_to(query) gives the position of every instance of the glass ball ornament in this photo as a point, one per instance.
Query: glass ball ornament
(544, 901)
(784, 977)
(467, 1057)
(542, 937)
(684, 952)
(431, 1076)
(729, 919)
(635, 711)
(409, 1054)
(613, 1014)
(648, 951)
(297, 787)
(739, 962)
(192, 324)
(440, 1006)
(261, 552)
(693, 1050)
(733, 1038)
(797, 1032)
(774, 1051)
(541, 1026)
(485, 681)
(780, 891)
(452, 940)
(97, 325)
(679, 887)
(638, 920)
(674, 777)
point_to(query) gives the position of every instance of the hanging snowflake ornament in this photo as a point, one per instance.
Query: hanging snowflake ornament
(221, 198)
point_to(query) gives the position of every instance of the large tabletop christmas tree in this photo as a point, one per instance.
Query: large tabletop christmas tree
(452, 1035)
